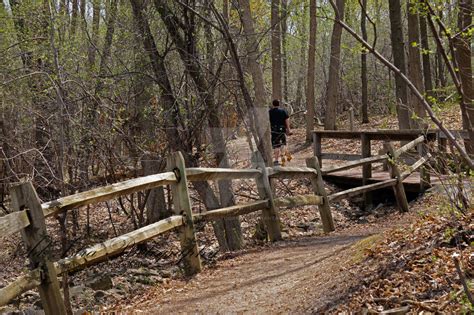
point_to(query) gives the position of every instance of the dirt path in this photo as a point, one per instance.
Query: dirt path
(298, 275)
(302, 275)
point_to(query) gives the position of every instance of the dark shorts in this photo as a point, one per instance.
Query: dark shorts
(278, 136)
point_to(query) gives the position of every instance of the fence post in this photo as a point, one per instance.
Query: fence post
(38, 245)
(317, 151)
(398, 189)
(366, 169)
(270, 216)
(425, 179)
(182, 206)
(318, 188)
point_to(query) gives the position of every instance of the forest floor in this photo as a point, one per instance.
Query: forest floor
(374, 261)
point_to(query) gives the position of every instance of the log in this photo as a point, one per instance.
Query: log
(182, 206)
(117, 245)
(317, 184)
(349, 165)
(205, 174)
(231, 211)
(289, 172)
(107, 193)
(13, 222)
(415, 166)
(362, 189)
(22, 284)
(299, 200)
(408, 146)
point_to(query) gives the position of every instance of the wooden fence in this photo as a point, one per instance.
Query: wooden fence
(29, 215)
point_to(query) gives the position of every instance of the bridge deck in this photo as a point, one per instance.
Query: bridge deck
(353, 178)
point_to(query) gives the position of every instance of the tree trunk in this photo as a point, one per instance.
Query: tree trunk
(262, 120)
(95, 32)
(334, 70)
(398, 51)
(190, 59)
(363, 71)
(464, 58)
(310, 79)
(276, 50)
(427, 75)
(284, 48)
(414, 66)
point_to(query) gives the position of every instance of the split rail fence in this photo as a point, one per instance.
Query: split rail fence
(29, 215)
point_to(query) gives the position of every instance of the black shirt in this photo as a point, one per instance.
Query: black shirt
(278, 117)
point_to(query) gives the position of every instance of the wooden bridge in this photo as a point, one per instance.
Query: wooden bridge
(29, 213)
(424, 143)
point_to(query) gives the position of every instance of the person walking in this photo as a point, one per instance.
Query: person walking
(280, 128)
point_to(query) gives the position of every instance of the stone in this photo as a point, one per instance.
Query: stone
(103, 282)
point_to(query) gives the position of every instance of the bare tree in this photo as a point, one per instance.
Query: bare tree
(276, 50)
(398, 51)
(334, 70)
(310, 79)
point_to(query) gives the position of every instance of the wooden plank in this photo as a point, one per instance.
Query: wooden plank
(289, 172)
(337, 134)
(415, 166)
(205, 174)
(456, 133)
(398, 188)
(182, 206)
(270, 216)
(108, 192)
(362, 189)
(408, 146)
(13, 222)
(318, 189)
(19, 286)
(38, 246)
(299, 200)
(341, 156)
(349, 165)
(232, 211)
(117, 245)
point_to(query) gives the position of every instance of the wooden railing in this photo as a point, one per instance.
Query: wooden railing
(30, 213)
(392, 156)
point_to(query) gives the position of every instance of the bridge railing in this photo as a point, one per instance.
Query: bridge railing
(392, 156)
(30, 213)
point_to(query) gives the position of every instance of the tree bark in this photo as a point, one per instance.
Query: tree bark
(276, 50)
(363, 71)
(334, 70)
(310, 79)
(398, 51)
(414, 66)
(464, 58)
(427, 74)
(95, 32)
(262, 120)
(284, 48)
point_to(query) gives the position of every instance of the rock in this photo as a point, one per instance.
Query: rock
(77, 290)
(99, 294)
(103, 282)
(38, 305)
(143, 272)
